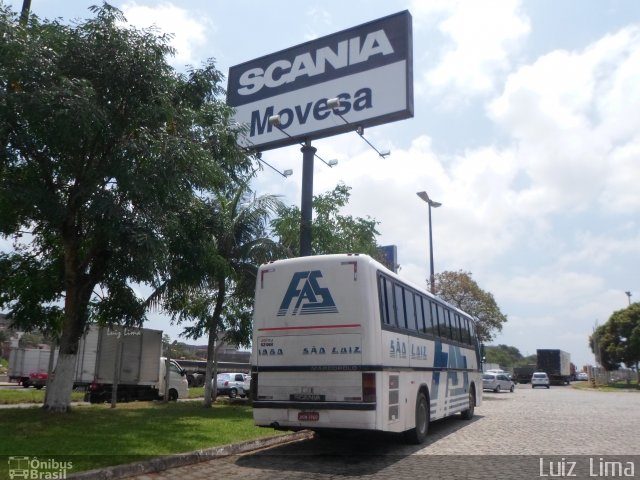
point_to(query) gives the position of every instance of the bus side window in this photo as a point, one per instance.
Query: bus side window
(466, 331)
(428, 325)
(410, 309)
(458, 332)
(383, 293)
(420, 314)
(443, 322)
(434, 319)
(472, 331)
(449, 317)
(401, 320)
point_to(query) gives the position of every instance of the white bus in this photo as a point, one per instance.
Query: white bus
(341, 342)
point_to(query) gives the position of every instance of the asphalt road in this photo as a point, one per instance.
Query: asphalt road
(531, 433)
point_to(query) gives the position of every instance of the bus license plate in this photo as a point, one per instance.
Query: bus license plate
(308, 416)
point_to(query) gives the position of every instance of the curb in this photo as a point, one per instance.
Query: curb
(172, 461)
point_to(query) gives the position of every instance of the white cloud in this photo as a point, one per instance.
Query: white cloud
(550, 287)
(600, 251)
(574, 117)
(482, 37)
(189, 31)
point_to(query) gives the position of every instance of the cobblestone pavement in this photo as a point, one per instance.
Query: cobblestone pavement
(541, 431)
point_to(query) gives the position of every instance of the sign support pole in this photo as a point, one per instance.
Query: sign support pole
(306, 202)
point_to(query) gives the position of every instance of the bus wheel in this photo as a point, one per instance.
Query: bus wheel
(468, 413)
(417, 435)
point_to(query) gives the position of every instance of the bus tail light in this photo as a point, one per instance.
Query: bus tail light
(369, 387)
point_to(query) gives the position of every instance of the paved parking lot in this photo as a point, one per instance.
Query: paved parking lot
(541, 431)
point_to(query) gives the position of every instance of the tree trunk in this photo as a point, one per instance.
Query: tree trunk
(61, 385)
(209, 397)
(78, 289)
(208, 376)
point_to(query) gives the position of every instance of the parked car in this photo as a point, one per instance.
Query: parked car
(539, 379)
(497, 382)
(233, 384)
(582, 376)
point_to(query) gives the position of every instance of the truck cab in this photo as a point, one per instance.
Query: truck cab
(178, 384)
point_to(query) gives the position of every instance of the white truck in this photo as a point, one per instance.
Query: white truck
(130, 358)
(29, 366)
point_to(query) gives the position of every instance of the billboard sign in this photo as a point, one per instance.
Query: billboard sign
(368, 67)
(390, 257)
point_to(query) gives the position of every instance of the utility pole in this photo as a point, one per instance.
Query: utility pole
(24, 15)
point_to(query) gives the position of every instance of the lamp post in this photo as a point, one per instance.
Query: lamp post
(629, 295)
(432, 204)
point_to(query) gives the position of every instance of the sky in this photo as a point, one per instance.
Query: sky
(526, 128)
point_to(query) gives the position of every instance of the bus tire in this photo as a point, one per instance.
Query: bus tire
(468, 413)
(417, 435)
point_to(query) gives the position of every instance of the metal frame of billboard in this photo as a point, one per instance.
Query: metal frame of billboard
(368, 67)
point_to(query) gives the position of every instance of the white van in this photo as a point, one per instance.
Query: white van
(178, 384)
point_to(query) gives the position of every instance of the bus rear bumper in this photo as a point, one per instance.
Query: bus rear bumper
(310, 416)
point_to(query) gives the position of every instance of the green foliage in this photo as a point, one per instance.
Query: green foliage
(232, 241)
(460, 290)
(504, 355)
(103, 148)
(331, 232)
(618, 341)
(178, 349)
(106, 156)
(213, 294)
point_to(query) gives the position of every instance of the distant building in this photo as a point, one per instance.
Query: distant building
(226, 353)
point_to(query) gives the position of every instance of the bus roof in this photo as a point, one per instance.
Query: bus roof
(374, 264)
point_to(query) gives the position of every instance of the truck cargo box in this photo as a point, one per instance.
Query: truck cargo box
(140, 350)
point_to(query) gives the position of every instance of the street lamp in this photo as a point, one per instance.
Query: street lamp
(629, 295)
(432, 204)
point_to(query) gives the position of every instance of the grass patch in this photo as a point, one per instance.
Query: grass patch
(196, 392)
(611, 387)
(95, 436)
(30, 395)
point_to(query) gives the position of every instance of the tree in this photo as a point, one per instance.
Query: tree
(503, 355)
(106, 153)
(179, 350)
(331, 232)
(618, 340)
(460, 290)
(216, 295)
